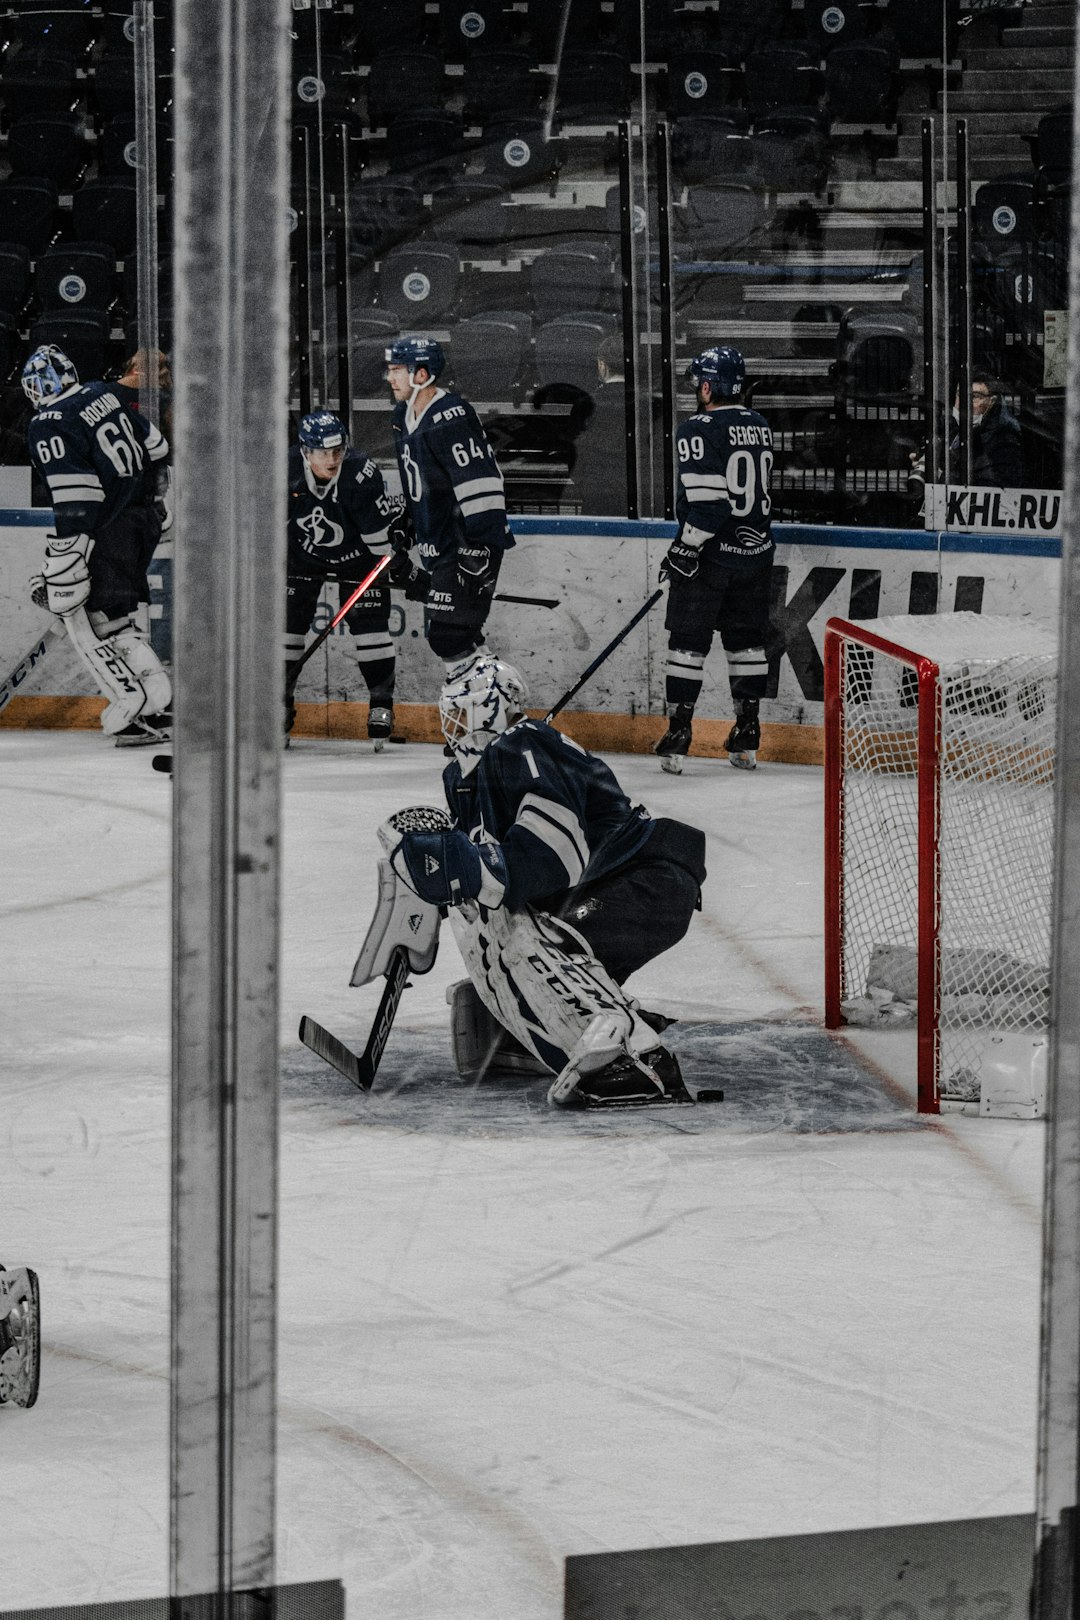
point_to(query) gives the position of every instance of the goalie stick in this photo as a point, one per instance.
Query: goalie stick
(599, 659)
(360, 1068)
(30, 660)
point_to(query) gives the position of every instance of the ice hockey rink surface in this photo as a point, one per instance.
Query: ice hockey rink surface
(507, 1334)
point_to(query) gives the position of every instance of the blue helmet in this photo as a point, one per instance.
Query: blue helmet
(723, 368)
(47, 374)
(322, 430)
(417, 351)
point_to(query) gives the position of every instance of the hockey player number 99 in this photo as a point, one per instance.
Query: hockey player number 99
(742, 479)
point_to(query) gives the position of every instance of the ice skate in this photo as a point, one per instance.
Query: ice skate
(379, 726)
(744, 738)
(146, 729)
(674, 745)
(604, 1073)
(20, 1336)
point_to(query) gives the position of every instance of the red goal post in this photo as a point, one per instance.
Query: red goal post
(939, 764)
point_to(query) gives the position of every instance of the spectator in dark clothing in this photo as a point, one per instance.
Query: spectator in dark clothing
(996, 456)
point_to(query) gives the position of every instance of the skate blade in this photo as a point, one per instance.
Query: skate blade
(672, 763)
(743, 762)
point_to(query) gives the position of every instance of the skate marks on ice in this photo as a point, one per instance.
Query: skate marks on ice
(776, 1076)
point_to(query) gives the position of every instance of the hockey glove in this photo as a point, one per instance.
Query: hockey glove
(38, 594)
(405, 576)
(66, 574)
(476, 570)
(446, 869)
(162, 498)
(400, 528)
(684, 553)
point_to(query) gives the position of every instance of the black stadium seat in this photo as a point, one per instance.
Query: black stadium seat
(1004, 212)
(520, 150)
(74, 275)
(705, 148)
(33, 83)
(389, 25)
(404, 79)
(14, 277)
(497, 82)
(28, 212)
(702, 82)
(719, 218)
(592, 86)
(862, 84)
(104, 210)
(566, 348)
(791, 150)
(384, 212)
(471, 208)
(65, 25)
(419, 282)
(876, 355)
(53, 146)
(490, 352)
(322, 88)
(574, 275)
(471, 27)
(783, 76)
(426, 140)
(83, 335)
(372, 332)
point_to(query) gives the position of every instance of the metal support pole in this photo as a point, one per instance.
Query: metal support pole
(932, 412)
(232, 189)
(963, 297)
(344, 289)
(667, 315)
(629, 321)
(1057, 1482)
(148, 337)
(303, 275)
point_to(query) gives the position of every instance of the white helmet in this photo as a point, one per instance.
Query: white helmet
(478, 705)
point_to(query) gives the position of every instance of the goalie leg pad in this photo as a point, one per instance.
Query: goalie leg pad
(124, 667)
(20, 1336)
(480, 1043)
(401, 920)
(537, 976)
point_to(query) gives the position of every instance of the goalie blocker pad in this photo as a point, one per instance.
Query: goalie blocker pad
(401, 918)
(20, 1336)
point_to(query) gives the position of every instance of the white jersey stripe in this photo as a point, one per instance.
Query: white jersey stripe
(477, 486)
(486, 503)
(558, 827)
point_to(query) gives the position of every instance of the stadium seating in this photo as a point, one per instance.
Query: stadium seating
(1004, 211)
(861, 83)
(419, 281)
(28, 212)
(372, 331)
(35, 83)
(83, 335)
(791, 150)
(707, 148)
(14, 278)
(520, 150)
(500, 82)
(702, 82)
(566, 348)
(322, 88)
(54, 146)
(76, 275)
(783, 76)
(403, 79)
(829, 23)
(490, 352)
(469, 28)
(471, 209)
(876, 356)
(592, 86)
(383, 213)
(718, 220)
(105, 210)
(426, 142)
(391, 24)
(577, 275)
(64, 25)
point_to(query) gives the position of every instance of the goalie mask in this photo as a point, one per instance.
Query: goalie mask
(47, 375)
(478, 706)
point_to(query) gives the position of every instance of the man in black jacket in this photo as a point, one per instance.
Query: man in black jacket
(996, 457)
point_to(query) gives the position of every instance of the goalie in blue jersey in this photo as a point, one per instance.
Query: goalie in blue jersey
(557, 889)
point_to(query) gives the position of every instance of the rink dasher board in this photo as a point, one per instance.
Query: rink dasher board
(601, 571)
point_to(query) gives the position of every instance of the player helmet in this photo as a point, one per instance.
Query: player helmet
(47, 374)
(478, 705)
(411, 352)
(322, 430)
(723, 368)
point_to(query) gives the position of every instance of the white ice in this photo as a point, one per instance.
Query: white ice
(506, 1337)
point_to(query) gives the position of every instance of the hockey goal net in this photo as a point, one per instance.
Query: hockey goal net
(939, 760)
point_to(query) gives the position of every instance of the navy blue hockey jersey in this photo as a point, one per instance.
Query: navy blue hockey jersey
(93, 451)
(559, 814)
(725, 465)
(450, 478)
(333, 526)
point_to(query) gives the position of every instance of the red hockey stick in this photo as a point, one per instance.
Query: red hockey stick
(383, 562)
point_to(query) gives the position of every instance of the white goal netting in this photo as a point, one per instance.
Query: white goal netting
(962, 815)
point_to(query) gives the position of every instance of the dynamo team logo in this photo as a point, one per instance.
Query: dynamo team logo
(1004, 220)
(517, 153)
(319, 532)
(833, 20)
(416, 287)
(310, 89)
(72, 289)
(696, 85)
(472, 24)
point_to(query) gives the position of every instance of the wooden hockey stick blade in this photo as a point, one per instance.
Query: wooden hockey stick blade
(528, 601)
(331, 1050)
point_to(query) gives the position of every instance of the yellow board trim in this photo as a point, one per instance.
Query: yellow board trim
(419, 722)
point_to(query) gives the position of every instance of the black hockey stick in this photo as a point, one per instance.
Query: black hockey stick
(528, 601)
(360, 1069)
(599, 659)
(30, 660)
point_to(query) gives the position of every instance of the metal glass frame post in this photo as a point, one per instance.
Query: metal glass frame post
(232, 190)
(148, 337)
(1057, 1486)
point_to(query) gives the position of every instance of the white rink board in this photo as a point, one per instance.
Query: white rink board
(601, 571)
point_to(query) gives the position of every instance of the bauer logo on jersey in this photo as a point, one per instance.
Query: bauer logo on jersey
(696, 85)
(319, 532)
(517, 153)
(310, 88)
(1004, 220)
(472, 25)
(72, 289)
(416, 286)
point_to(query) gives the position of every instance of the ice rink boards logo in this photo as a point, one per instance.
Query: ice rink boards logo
(72, 288)
(310, 89)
